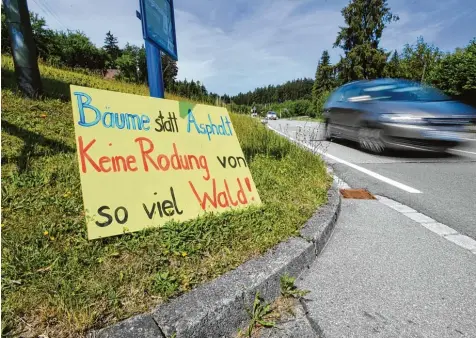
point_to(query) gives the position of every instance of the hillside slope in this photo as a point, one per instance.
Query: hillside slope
(56, 282)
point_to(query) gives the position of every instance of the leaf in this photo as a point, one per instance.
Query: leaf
(47, 268)
(256, 302)
(266, 323)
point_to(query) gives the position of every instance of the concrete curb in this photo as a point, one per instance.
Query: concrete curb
(218, 308)
(319, 227)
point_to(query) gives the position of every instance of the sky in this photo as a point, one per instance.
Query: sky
(234, 46)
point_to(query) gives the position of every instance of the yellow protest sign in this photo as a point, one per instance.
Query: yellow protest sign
(145, 161)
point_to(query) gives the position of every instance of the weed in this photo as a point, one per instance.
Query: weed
(164, 283)
(289, 289)
(257, 315)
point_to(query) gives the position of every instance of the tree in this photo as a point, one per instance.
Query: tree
(76, 50)
(342, 71)
(321, 101)
(44, 37)
(128, 63)
(456, 73)
(291, 90)
(169, 70)
(142, 65)
(419, 60)
(112, 49)
(393, 67)
(6, 46)
(365, 21)
(324, 81)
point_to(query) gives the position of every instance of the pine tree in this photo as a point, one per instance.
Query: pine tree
(365, 21)
(324, 74)
(315, 87)
(112, 49)
(324, 81)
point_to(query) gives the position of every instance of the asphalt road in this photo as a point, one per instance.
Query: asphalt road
(442, 187)
(383, 275)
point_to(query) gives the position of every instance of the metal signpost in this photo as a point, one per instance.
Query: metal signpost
(23, 46)
(158, 30)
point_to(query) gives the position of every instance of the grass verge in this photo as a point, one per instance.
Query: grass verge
(57, 283)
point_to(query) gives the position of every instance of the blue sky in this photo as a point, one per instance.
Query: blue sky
(237, 45)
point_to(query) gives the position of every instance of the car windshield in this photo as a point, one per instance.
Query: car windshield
(405, 92)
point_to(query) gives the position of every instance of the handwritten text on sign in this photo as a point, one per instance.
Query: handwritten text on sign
(145, 161)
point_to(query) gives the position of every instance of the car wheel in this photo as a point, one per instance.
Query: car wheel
(370, 139)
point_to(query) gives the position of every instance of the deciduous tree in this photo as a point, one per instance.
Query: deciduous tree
(419, 60)
(393, 67)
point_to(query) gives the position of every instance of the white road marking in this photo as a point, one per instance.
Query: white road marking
(354, 166)
(372, 173)
(442, 230)
(464, 151)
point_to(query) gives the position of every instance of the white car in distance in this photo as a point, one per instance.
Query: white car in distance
(271, 115)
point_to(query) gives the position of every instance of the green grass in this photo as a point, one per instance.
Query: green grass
(56, 282)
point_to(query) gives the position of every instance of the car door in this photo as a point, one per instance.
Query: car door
(350, 111)
(332, 111)
(342, 111)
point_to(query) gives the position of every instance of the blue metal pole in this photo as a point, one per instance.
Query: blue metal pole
(154, 70)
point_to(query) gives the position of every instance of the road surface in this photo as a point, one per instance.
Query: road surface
(442, 187)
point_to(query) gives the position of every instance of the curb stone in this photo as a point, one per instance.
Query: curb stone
(319, 227)
(219, 308)
(142, 326)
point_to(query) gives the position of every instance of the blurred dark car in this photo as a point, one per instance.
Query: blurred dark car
(391, 113)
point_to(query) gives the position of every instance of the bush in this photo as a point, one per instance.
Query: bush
(455, 74)
(321, 100)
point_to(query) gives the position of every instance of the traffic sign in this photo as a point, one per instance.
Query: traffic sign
(158, 25)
